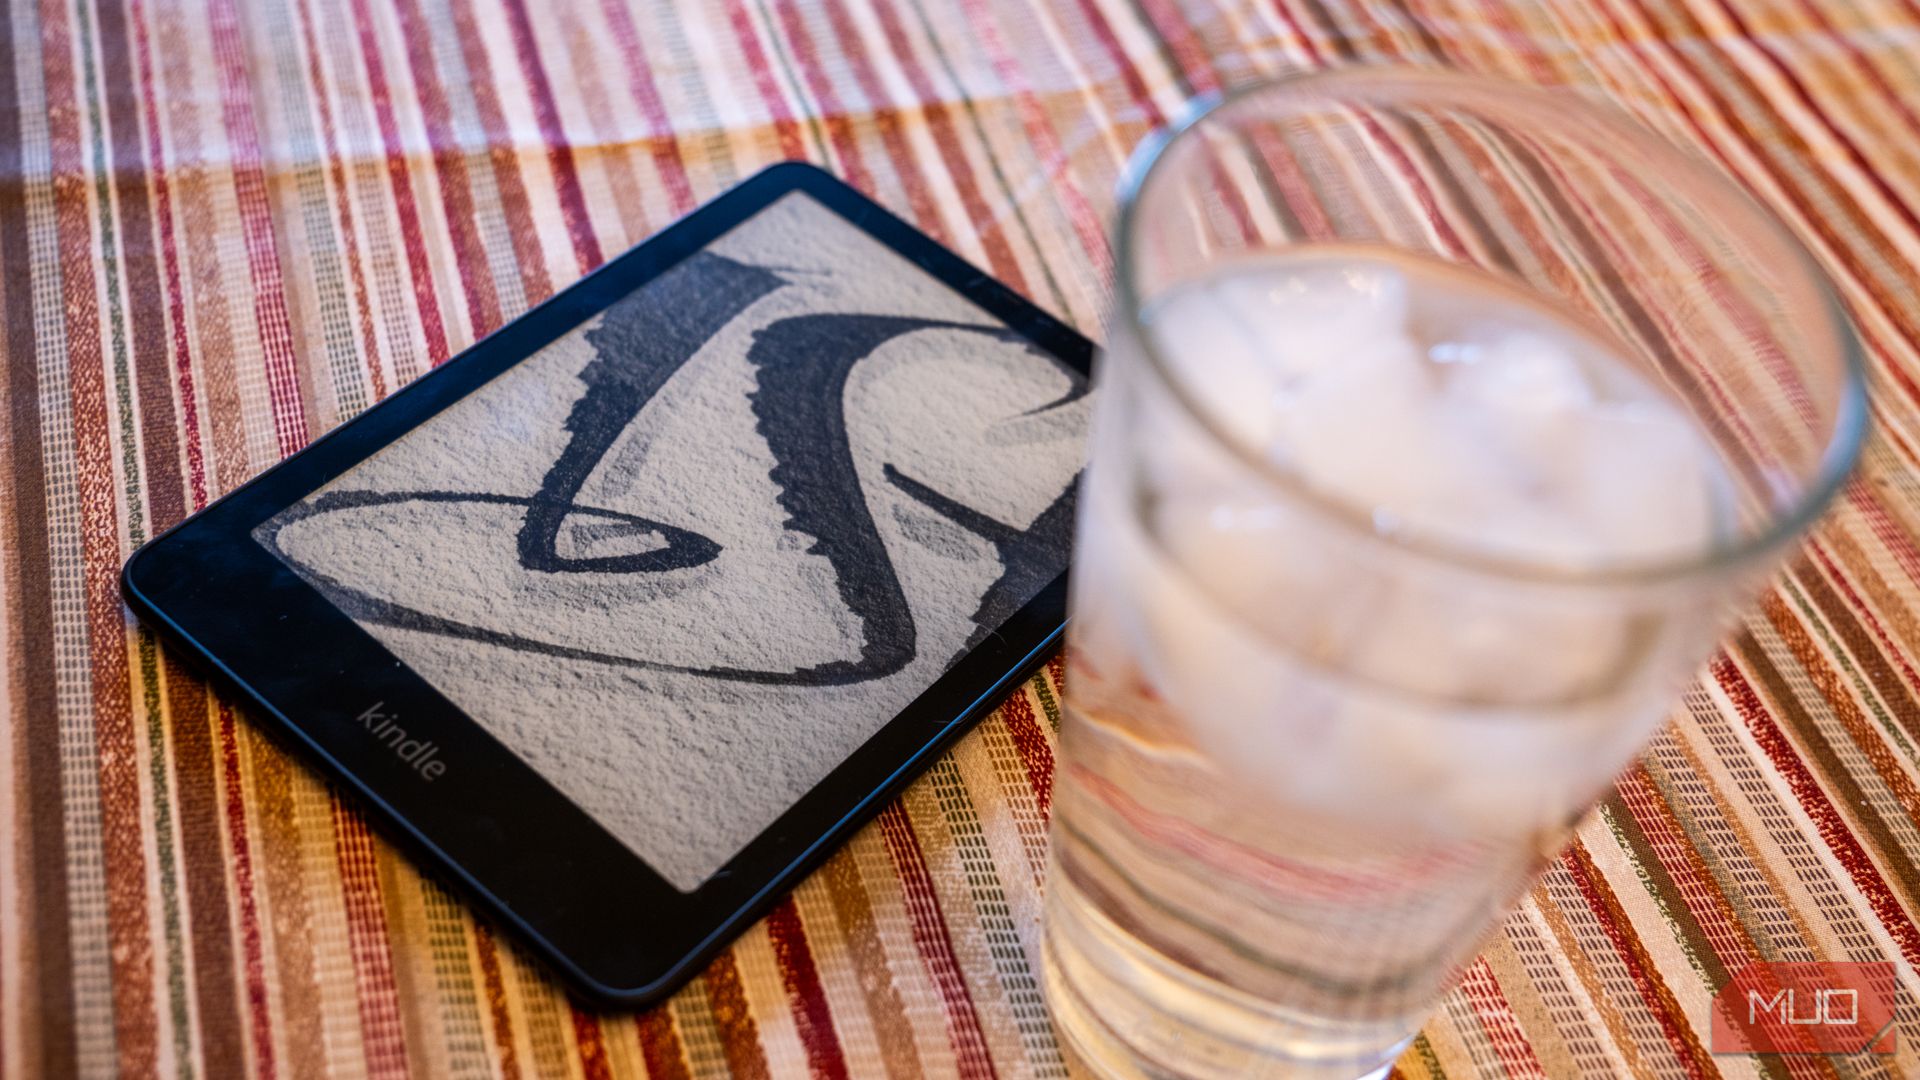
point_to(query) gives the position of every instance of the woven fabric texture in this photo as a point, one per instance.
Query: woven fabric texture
(227, 226)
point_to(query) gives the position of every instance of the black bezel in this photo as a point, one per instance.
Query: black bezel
(539, 863)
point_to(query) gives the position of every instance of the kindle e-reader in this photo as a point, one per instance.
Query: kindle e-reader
(624, 617)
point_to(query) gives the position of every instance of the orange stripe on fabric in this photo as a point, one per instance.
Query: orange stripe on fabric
(587, 1036)
(733, 1017)
(660, 1045)
(506, 1055)
(893, 1031)
(1842, 557)
(1872, 745)
(279, 840)
(135, 1021)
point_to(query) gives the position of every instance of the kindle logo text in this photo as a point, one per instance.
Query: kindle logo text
(420, 754)
(1817, 1008)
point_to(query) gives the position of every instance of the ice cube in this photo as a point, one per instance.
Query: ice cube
(1372, 432)
(1316, 314)
(1469, 644)
(1275, 567)
(1355, 429)
(1222, 358)
(1269, 326)
(1639, 475)
(1522, 372)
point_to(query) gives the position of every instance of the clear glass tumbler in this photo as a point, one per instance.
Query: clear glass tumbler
(1337, 688)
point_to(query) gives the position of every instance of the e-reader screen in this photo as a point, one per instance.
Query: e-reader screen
(688, 557)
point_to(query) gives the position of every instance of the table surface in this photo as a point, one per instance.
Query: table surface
(227, 226)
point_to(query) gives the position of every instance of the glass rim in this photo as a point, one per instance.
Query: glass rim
(1837, 459)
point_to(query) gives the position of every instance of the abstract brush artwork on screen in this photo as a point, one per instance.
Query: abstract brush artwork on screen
(688, 557)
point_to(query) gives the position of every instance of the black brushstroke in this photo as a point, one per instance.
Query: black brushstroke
(1023, 552)
(639, 344)
(802, 366)
(804, 363)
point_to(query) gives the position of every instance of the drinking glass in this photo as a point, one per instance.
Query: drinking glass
(1313, 753)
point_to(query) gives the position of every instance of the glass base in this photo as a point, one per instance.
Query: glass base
(1128, 1012)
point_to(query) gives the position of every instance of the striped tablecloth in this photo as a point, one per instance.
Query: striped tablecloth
(228, 225)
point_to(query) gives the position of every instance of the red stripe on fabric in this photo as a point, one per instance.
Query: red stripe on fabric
(1122, 62)
(1894, 307)
(1057, 667)
(1821, 116)
(1653, 991)
(935, 945)
(382, 1033)
(259, 1004)
(832, 112)
(811, 1014)
(256, 228)
(660, 1045)
(505, 157)
(44, 957)
(1429, 203)
(342, 203)
(566, 178)
(400, 181)
(664, 145)
(1035, 755)
(151, 356)
(986, 224)
(885, 117)
(1293, 26)
(170, 262)
(1080, 213)
(1861, 61)
(1489, 1003)
(1739, 307)
(760, 69)
(450, 167)
(1670, 348)
(1184, 43)
(1813, 799)
(1296, 191)
(592, 1044)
